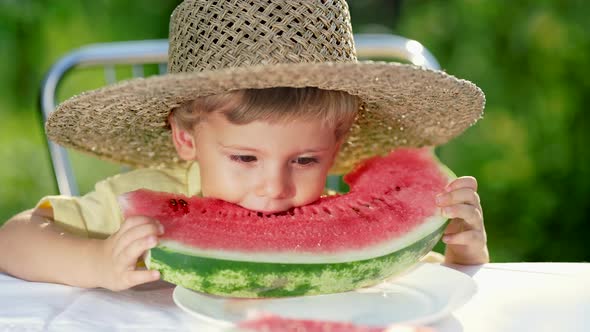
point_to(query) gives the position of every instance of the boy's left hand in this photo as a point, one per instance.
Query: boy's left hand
(465, 236)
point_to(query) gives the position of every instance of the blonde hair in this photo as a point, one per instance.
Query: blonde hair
(336, 108)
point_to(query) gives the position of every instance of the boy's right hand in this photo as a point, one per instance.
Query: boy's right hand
(119, 254)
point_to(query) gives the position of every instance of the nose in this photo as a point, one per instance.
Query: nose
(275, 183)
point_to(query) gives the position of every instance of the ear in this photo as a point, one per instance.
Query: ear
(184, 141)
(336, 151)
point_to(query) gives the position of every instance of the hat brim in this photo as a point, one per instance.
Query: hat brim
(404, 105)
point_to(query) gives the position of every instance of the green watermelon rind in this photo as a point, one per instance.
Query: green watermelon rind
(259, 279)
(444, 168)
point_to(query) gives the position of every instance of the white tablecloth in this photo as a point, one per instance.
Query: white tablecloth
(510, 297)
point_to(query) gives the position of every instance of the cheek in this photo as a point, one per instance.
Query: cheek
(309, 187)
(220, 181)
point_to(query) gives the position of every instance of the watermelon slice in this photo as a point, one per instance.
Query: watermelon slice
(385, 224)
(273, 323)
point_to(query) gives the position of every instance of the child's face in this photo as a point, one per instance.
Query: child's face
(266, 167)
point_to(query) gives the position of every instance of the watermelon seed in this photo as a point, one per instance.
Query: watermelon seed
(397, 188)
(184, 205)
(327, 210)
(380, 200)
(172, 203)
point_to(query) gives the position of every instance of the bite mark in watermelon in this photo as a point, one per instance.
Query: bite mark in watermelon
(385, 224)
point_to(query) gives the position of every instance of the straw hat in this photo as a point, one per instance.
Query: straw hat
(218, 46)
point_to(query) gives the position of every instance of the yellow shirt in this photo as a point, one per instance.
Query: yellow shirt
(97, 214)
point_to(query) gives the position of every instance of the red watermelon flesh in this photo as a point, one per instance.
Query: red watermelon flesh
(273, 323)
(389, 196)
(278, 324)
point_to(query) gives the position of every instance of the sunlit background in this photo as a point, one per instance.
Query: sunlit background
(530, 57)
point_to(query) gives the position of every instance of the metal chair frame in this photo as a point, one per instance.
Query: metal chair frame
(140, 53)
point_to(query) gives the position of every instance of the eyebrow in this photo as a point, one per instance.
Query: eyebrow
(245, 148)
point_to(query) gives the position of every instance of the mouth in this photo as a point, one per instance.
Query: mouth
(267, 213)
(267, 208)
(273, 211)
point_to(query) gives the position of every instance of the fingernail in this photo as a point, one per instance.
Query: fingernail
(160, 229)
(439, 199)
(153, 241)
(156, 274)
(446, 238)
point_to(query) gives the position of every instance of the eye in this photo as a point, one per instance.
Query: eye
(304, 161)
(243, 158)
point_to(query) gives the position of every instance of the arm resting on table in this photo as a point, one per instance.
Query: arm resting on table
(34, 248)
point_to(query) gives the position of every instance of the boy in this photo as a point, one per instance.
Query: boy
(252, 113)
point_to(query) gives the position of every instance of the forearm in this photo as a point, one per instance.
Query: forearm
(35, 249)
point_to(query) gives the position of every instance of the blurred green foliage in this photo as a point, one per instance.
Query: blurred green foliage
(530, 58)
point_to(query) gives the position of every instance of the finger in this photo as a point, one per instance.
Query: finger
(130, 254)
(131, 223)
(137, 232)
(456, 225)
(469, 237)
(462, 182)
(134, 278)
(469, 213)
(459, 196)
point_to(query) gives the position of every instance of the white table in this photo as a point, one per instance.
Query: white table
(510, 297)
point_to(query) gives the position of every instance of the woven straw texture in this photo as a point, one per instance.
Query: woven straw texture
(218, 46)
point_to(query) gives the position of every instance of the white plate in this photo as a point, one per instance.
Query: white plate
(421, 296)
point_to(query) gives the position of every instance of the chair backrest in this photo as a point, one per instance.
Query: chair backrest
(137, 54)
